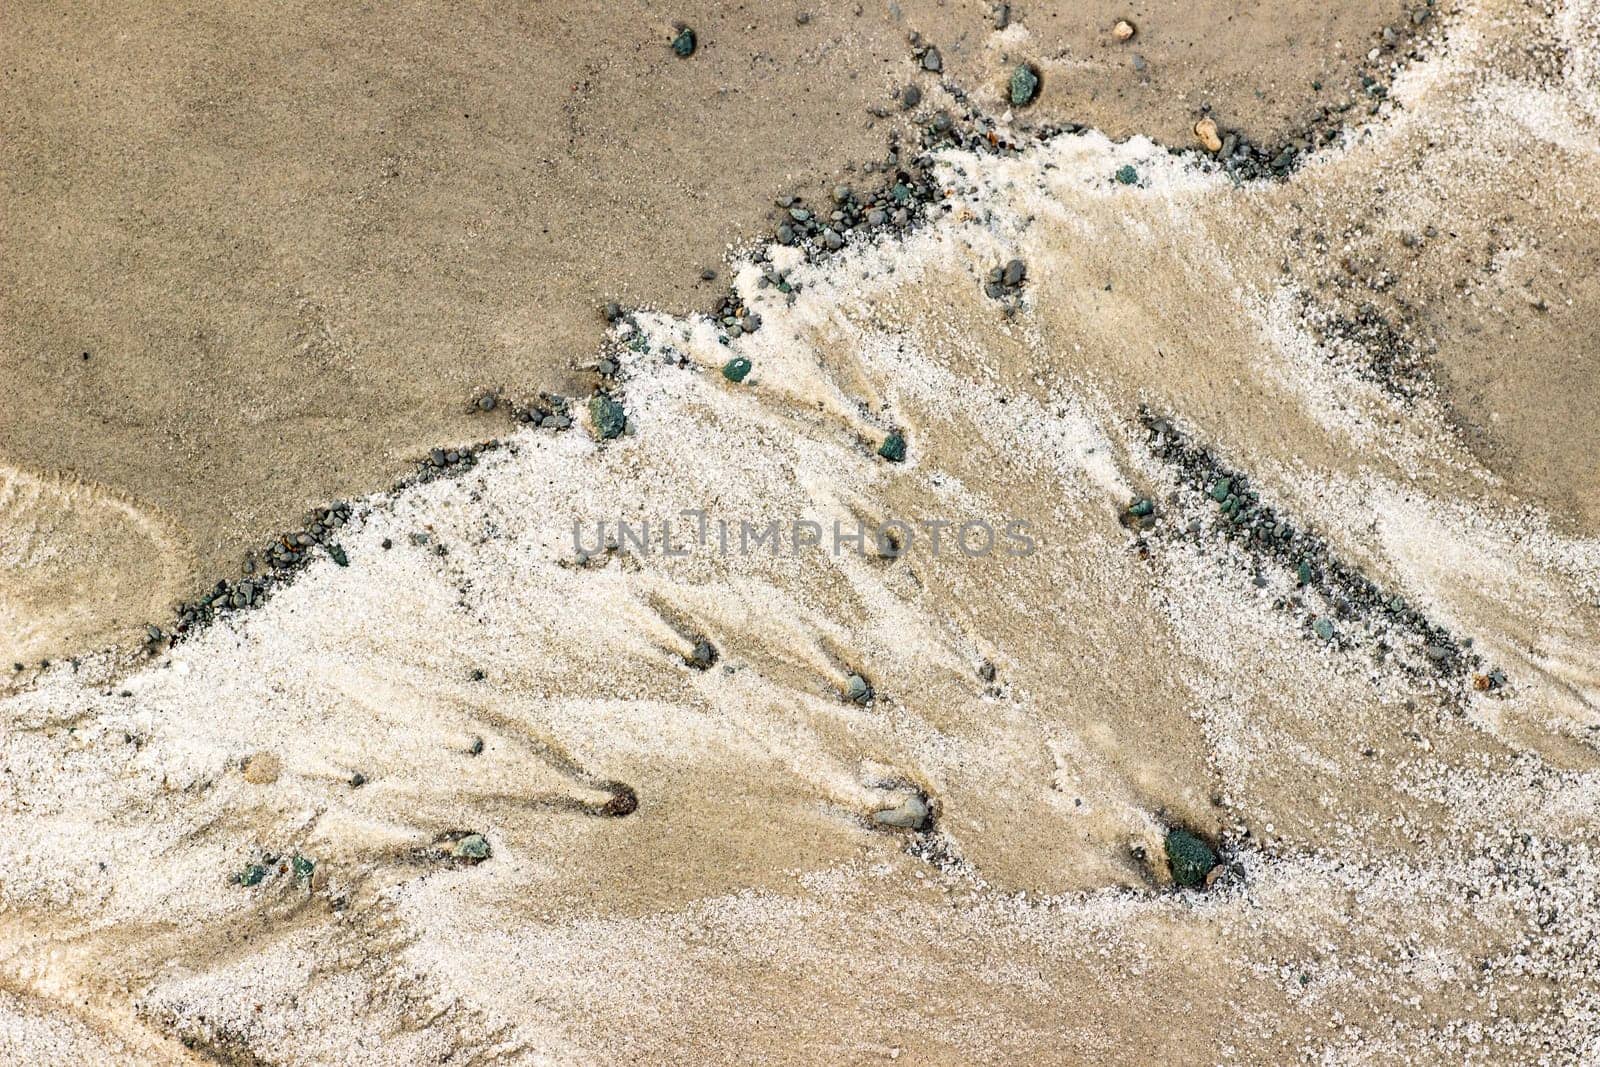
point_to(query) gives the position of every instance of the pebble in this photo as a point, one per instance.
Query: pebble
(303, 866)
(910, 97)
(910, 814)
(251, 875)
(684, 43)
(608, 415)
(932, 60)
(1024, 85)
(893, 448)
(704, 655)
(1190, 858)
(473, 848)
(357, 780)
(735, 369)
(1015, 271)
(1002, 16)
(263, 768)
(486, 403)
(1123, 30)
(1323, 628)
(1139, 63)
(1127, 175)
(1206, 132)
(857, 689)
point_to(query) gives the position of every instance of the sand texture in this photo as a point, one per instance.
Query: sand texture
(1310, 473)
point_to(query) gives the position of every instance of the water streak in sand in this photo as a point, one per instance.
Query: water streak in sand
(1412, 860)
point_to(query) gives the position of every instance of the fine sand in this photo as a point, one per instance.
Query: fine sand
(1311, 470)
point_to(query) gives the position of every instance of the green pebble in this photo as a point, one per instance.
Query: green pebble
(472, 847)
(1323, 628)
(251, 875)
(684, 43)
(893, 448)
(1190, 858)
(1303, 573)
(1221, 489)
(1024, 84)
(735, 369)
(1142, 507)
(303, 865)
(338, 555)
(608, 415)
(1127, 175)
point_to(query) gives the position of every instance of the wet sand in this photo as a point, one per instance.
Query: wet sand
(295, 244)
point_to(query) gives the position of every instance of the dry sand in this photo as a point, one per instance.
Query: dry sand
(1407, 806)
(294, 241)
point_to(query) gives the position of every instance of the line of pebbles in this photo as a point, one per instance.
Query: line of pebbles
(1335, 600)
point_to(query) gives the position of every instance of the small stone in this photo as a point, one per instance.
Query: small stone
(1323, 628)
(153, 632)
(735, 369)
(893, 448)
(910, 97)
(338, 555)
(608, 415)
(262, 768)
(1015, 272)
(357, 780)
(302, 866)
(251, 875)
(1221, 489)
(910, 814)
(1302, 573)
(1139, 63)
(1024, 85)
(1190, 858)
(476, 748)
(832, 240)
(1141, 507)
(857, 690)
(1123, 30)
(1209, 137)
(486, 403)
(684, 43)
(1002, 16)
(932, 60)
(708, 275)
(703, 656)
(1126, 174)
(472, 848)
(613, 311)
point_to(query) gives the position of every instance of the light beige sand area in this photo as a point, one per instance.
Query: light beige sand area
(294, 239)
(1412, 851)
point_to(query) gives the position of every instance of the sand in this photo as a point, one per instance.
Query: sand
(1406, 807)
(294, 243)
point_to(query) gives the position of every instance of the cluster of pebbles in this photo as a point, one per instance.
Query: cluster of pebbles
(1350, 596)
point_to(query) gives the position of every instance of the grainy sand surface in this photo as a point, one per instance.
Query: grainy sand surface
(1373, 687)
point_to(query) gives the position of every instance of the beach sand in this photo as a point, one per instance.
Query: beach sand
(262, 259)
(1308, 468)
